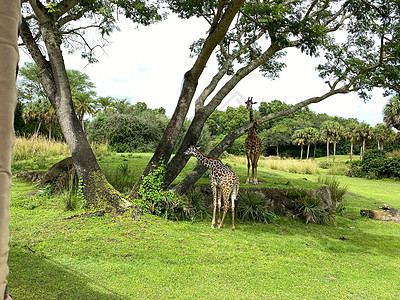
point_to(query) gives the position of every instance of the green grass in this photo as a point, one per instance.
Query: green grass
(105, 258)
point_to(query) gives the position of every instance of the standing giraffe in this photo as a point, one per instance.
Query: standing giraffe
(223, 180)
(253, 145)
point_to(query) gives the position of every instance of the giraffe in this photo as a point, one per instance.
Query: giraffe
(223, 181)
(253, 145)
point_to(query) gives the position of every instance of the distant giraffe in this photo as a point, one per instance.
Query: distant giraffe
(253, 145)
(223, 181)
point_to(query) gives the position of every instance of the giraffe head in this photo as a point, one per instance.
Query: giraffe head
(191, 150)
(249, 103)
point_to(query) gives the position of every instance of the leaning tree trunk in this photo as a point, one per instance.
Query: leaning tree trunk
(308, 150)
(228, 141)
(202, 112)
(199, 170)
(97, 191)
(217, 32)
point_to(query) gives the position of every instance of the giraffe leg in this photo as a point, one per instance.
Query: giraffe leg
(225, 192)
(233, 198)
(248, 168)
(214, 190)
(257, 156)
(219, 192)
(252, 168)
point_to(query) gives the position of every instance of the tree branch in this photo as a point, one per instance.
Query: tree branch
(199, 170)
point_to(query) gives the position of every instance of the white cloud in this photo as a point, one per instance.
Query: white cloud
(148, 65)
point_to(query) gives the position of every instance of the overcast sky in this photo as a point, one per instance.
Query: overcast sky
(148, 64)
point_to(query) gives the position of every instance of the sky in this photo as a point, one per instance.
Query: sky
(147, 64)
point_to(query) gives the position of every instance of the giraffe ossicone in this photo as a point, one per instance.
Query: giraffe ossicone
(224, 181)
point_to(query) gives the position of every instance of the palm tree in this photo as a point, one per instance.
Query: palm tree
(105, 103)
(331, 132)
(299, 139)
(349, 133)
(363, 133)
(391, 113)
(312, 136)
(381, 133)
(84, 104)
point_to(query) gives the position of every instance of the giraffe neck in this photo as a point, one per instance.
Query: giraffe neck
(251, 114)
(203, 159)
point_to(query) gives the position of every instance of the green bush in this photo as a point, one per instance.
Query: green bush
(375, 164)
(201, 207)
(153, 199)
(253, 207)
(136, 131)
(310, 207)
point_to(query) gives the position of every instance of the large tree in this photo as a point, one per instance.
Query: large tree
(257, 39)
(45, 28)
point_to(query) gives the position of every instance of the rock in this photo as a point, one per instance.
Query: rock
(388, 214)
(59, 175)
(33, 176)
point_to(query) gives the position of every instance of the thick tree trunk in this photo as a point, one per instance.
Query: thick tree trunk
(168, 141)
(202, 113)
(308, 150)
(53, 76)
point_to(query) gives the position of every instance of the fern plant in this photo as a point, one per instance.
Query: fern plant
(253, 207)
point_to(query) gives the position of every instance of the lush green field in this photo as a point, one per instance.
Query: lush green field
(52, 257)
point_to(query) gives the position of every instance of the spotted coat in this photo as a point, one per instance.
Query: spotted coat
(253, 146)
(223, 181)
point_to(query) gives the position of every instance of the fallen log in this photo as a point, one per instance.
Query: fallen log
(387, 213)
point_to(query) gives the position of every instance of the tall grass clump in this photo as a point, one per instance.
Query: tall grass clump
(337, 192)
(36, 146)
(121, 177)
(337, 170)
(295, 166)
(100, 149)
(72, 196)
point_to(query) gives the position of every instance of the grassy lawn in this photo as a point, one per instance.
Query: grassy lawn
(52, 257)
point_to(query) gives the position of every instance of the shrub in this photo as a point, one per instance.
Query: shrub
(153, 199)
(375, 164)
(373, 161)
(310, 207)
(253, 207)
(337, 192)
(201, 207)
